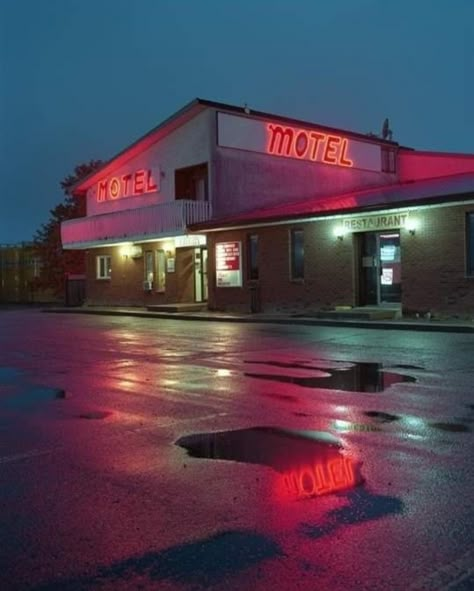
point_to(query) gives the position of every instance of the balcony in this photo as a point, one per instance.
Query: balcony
(134, 225)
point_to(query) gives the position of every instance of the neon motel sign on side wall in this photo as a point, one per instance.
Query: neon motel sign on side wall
(292, 142)
(128, 185)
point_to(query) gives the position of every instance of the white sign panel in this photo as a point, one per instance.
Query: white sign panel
(302, 143)
(228, 264)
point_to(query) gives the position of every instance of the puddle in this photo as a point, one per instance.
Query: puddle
(358, 377)
(381, 417)
(348, 426)
(451, 427)
(95, 415)
(309, 462)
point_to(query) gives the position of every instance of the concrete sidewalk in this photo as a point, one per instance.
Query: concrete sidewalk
(420, 324)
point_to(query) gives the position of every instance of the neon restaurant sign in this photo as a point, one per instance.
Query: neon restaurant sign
(308, 145)
(140, 182)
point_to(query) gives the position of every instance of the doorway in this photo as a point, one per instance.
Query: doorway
(200, 274)
(379, 268)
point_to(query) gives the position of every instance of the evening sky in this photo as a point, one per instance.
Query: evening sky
(82, 79)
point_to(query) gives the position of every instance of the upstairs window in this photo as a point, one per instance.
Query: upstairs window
(297, 255)
(470, 244)
(191, 183)
(389, 160)
(252, 257)
(104, 267)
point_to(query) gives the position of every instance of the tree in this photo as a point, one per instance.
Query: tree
(56, 262)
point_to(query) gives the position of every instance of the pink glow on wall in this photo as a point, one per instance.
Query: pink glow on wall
(127, 185)
(414, 165)
(291, 142)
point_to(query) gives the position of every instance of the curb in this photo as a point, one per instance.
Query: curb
(372, 324)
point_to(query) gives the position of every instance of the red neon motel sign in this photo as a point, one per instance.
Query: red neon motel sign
(292, 142)
(127, 185)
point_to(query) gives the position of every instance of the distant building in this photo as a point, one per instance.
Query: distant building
(20, 269)
(249, 211)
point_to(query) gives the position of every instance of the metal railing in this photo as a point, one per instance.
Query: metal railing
(155, 221)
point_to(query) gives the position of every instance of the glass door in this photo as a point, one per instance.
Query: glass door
(390, 268)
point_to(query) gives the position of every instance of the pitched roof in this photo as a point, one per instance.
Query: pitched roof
(186, 113)
(436, 190)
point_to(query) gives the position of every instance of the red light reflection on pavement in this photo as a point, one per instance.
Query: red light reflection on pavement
(321, 478)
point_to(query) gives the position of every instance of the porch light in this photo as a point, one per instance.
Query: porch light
(126, 250)
(339, 232)
(411, 226)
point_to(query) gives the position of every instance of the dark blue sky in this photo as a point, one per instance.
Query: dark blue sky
(81, 79)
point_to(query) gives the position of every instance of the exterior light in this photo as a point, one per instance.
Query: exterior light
(126, 250)
(339, 232)
(411, 227)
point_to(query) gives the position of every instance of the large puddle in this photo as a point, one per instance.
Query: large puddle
(309, 462)
(353, 377)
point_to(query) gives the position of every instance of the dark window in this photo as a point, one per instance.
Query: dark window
(191, 183)
(297, 254)
(389, 160)
(252, 256)
(470, 244)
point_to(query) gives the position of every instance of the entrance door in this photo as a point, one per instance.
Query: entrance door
(380, 268)
(200, 274)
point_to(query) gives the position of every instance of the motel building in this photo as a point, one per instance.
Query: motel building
(243, 211)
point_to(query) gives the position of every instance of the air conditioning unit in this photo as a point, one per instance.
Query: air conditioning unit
(147, 285)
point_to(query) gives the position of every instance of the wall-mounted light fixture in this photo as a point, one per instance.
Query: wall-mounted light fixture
(339, 232)
(126, 250)
(411, 227)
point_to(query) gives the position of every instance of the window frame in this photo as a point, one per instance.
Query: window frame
(253, 271)
(106, 259)
(292, 254)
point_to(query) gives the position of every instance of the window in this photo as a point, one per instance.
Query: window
(191, 183)
(160, 271)
(470, 244)
(389, 160)
(297, 254)
(252, 257)
(104, 267)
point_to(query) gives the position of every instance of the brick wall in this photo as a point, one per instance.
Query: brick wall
(125, 287)
(328, 270)
(432, 263)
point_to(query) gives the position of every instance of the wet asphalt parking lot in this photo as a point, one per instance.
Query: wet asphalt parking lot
(163, 454)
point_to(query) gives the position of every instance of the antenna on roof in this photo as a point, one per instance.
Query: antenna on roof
(386, 131)
(246, 109)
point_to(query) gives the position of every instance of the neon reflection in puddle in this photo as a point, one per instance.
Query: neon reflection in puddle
(322, 478)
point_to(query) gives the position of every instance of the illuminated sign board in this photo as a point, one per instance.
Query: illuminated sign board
(307, 145)
(228, 264)
(289, 141)
(375, 222)
(135, 183)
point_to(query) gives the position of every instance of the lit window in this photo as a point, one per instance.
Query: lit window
(297, 254)
(160, 271)
(149, 266)
(104, 267)
(470, 243)
(252, 257)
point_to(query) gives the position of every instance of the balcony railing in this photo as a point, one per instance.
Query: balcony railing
(133, 225)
